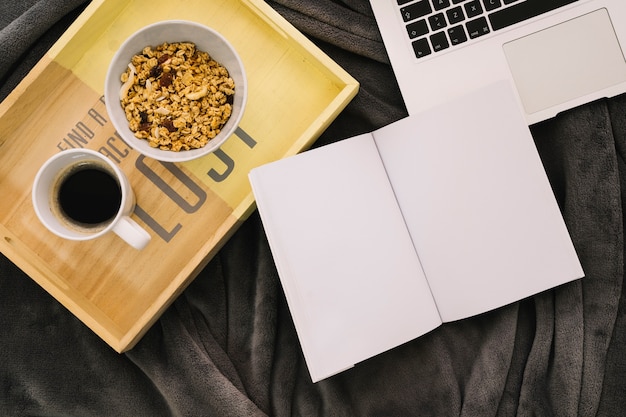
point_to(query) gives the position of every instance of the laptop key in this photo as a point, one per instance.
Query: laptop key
(455, 15)
(492, 4)
(477, 27)
(523, 11)
(421, 48)
(457, 35)
(439, 41)
(416, 10)
(473, 8)
(437, 21)
(441, 4)
(417, 29)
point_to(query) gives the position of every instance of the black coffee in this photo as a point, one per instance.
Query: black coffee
(89, 195)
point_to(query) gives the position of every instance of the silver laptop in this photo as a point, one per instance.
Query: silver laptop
(557, 54)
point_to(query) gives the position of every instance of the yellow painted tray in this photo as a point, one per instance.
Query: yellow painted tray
(190, 209)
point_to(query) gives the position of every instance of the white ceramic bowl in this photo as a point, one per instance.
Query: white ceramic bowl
(205, 39)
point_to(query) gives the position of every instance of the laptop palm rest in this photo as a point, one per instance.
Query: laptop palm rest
(567, 61)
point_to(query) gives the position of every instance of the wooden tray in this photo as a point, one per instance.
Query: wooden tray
(190, 209)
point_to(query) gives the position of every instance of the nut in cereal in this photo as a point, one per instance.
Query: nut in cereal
(175, 96)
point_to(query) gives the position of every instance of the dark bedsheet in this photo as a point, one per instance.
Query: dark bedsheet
(227, 346)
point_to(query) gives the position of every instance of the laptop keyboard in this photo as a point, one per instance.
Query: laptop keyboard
(438, 25)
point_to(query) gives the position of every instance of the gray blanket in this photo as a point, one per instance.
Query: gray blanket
(227, 346)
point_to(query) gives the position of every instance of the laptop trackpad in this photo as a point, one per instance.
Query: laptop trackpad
(566, 61)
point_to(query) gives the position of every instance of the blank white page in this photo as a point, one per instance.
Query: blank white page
(353, 282)
(477, 202)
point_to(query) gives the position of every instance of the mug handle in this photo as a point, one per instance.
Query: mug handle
(131, 232)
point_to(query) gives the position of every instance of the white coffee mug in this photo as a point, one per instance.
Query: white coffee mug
(79, 194)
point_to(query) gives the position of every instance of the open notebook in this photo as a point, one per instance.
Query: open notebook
(380, 238)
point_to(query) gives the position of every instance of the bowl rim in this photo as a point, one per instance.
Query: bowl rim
(121, 126)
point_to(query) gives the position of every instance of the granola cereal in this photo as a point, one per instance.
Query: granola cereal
(175, 96)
